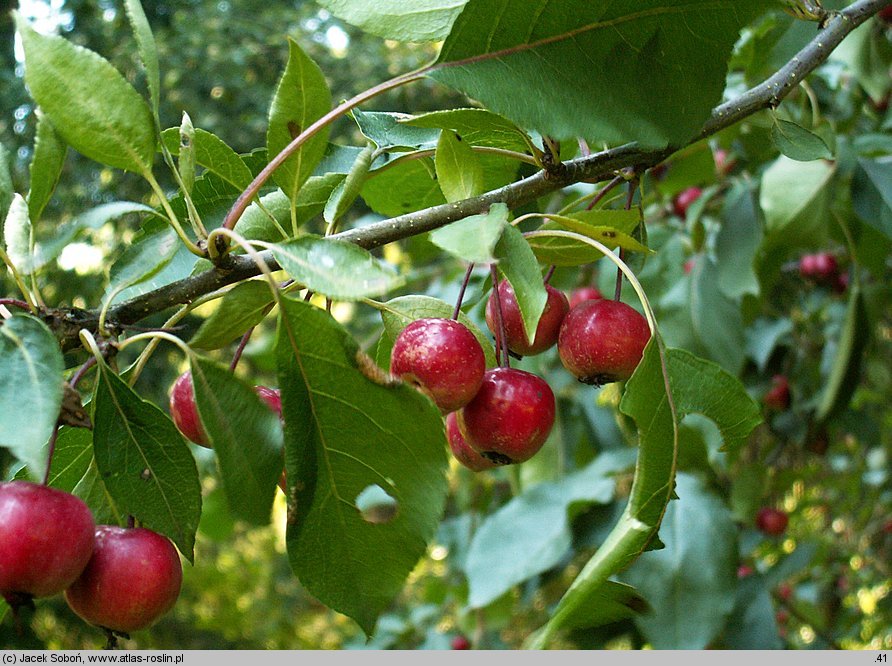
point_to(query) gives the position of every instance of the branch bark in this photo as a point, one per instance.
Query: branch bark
(592, 168)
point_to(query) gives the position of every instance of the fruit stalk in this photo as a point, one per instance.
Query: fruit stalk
(501, 340)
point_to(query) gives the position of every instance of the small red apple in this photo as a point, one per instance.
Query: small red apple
(46, 539)
(771, 521)
(684, 199)
(777, 398)
(820, 267)
(460, 448)
(581, 294)
(547, 330)
(602, 341)
(272, 397)
(132, 579)
(184, 412)
(511, 416)
(442, 358)
(744, 570)
(885, 14)
(460, 643)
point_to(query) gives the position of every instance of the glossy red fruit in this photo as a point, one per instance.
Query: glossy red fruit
(771, 521)
(777, 398)
(460, 643)
(602, 341)
(443, 358)
(684, 199)
(460, 448)
(885, 14)
(184, 412)
(511, 416)
(577, 296)
(46, 539)
(724, 163)
(132, 579)
(744, 570)
(547, 330)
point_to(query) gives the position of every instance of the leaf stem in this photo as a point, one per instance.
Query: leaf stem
(461, 291)
(171, 216)
(501, 340)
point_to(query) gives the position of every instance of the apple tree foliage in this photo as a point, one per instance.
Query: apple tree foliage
(582, 122)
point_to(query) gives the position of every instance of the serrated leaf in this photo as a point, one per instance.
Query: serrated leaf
(336, 269)
(241, 308)
(519, 265)
(213, 154)
(144, 462)
(399, 312)
(532, 532)
(419, 21)
(46, 166)
(388, 133)
(31, 366)
(843, 378)
(798, 143)
(349, 428)
(89, 102)
(690, 582)
(18, 235)
(246, 436)
(148, 52)
(458, 171)
(697, 386)
(301, 98)
(473, 238)
(671, 50)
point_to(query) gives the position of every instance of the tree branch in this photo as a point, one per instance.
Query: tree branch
(592, 168)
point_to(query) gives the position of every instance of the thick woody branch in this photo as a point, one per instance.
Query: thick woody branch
(592, 168)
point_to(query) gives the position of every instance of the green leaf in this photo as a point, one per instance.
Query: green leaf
(246, 436)
(31, 366)
(763, 337)
(148, 52)
(715, 319)
(213, 154)
(418, 21)
(519, 265)
(794, 198)
(473, 238)
(46, 166)
(843, 379)
(737, 243)
(348, 430)
(609, 227)
(532, 533)
(399, 312)
(405, 188)
(345, 193)
(301, 98)
(149, 253)
(697, 386)
(872, 193)
(144, 462)
(690, 582)
(387, 132)
(798, 143)
(479, 127)
(673, 51)
(270, 222)
(89, 102)
(18, 234)
(72, 457)
(92, 490)
(458, 171)
(241, 308)
(186, 161)
(337, 269)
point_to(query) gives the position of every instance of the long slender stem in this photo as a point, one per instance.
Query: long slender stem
(49, 456)
(241, 347)
(171, 216)
(461, 291)
(618, 292)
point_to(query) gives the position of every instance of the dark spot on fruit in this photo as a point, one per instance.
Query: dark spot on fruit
(497, 458)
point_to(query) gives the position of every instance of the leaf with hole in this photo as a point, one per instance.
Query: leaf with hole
(349, 427)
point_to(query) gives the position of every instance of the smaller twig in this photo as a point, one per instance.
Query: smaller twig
(241, 347)
(501, 340)
(461, 291)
